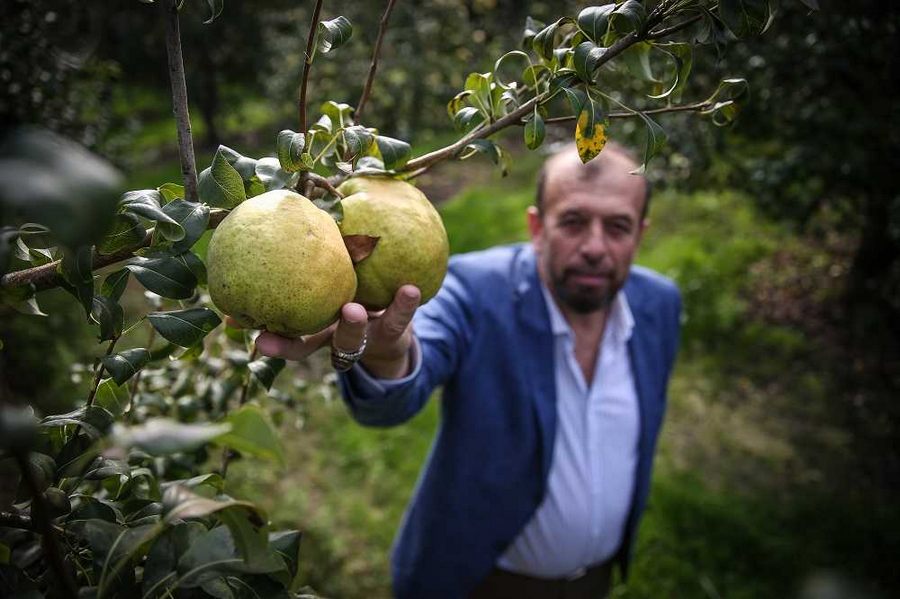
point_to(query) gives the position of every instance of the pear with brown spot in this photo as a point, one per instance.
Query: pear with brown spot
(411, 244)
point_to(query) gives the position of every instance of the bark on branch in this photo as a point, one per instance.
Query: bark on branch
(367, 89)
(169, 13)
(307, 62)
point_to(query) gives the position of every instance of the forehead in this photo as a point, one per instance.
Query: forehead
(606, 186)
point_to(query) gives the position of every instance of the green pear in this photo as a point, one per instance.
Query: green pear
(410, 240)
(278, 262)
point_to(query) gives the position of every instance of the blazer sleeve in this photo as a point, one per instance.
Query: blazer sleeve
(443, 330)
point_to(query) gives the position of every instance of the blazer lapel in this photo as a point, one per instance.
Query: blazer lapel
(536, 350)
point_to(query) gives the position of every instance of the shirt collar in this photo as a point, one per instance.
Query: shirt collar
(619, 325)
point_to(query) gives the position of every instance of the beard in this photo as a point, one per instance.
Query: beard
(584, 299)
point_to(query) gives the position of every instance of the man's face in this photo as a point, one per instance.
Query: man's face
(588, 232)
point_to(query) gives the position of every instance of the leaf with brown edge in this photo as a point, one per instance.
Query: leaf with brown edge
(360, 246)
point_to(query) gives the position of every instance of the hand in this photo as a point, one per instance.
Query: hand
(389, 336)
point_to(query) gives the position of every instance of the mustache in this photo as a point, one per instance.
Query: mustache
(589, 272)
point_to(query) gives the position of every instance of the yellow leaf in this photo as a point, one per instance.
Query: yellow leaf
(589, 143)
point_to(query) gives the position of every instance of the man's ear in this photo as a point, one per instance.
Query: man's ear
(535, 223)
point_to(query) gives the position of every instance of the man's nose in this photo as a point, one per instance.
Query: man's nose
(593, 246)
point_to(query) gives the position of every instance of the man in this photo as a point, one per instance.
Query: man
(554, 358)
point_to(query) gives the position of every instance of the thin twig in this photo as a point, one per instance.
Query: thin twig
(322, 182)
(382, 28)
(169, 12)
(697, 107)
(44, 526)
(307, 61)
(11, 520)
(47, 276)
(660, 33)
(98, 372)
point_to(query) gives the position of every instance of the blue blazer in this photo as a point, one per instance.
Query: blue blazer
(486, 338)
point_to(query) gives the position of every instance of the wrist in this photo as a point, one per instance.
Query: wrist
(387, 369)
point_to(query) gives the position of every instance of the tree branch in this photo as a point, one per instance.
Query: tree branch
(307, 61)
(11, 520)
(324, 183)
(382, 28)
(660, 33)
(47, 276)
(169, 13)
(696, 107)
(425, 161)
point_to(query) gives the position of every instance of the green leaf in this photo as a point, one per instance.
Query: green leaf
(594, 21)
(124, 365)
(636, 59)
(221, 185)
(126, 232)
(534, 131)
(626, 18)
(114, 284)
(47, 179)
(488, 148)
(682, 55)
(394, 152)
(726, 100)
(272, 176)
(532, 28)
(147, 203)
(499, 63)
(193, 219)
(358, 140)
(21, 299)
(289, 148)
(162, 559)
(339, 113)
(266, 369)
(164, 275)
(544, 41)
(457, 102)
(219, 552)
(95, 420)
(655, 139)
(333, 34)
(746, 17)
(247, 535)
(468, 118)
(75, 269)
(194, 264)
(161, 436)
(112, 394)
(215, 9)
(107, 313)
(170, 191)
(184, 327)
(251, 434)
(585, 59)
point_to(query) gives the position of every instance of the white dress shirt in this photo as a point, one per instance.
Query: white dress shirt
(581, 520)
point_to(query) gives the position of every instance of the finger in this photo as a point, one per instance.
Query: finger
(276, 346)
(351, 328)
(399, 314)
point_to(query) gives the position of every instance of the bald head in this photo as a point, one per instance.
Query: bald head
(566, 166)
